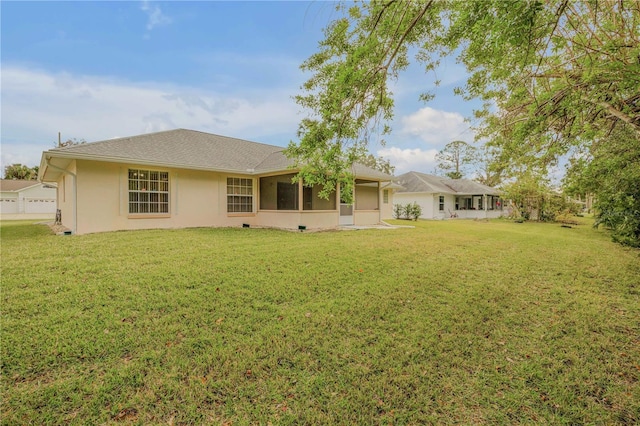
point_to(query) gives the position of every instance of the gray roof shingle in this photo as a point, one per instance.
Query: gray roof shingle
(180, 147)
(14, 185)
(470, 187)
(422, 182)
(193, 149)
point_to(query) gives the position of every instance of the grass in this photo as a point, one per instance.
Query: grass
(452, 322)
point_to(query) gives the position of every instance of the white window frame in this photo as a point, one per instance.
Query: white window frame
(239, 195)
(148, 192)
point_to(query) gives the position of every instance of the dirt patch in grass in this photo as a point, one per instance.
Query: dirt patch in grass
(57, 228)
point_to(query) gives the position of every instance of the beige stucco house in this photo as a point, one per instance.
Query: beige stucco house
(442, 198)
(184, 178)
(26, 198)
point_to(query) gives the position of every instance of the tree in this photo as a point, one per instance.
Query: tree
(70, 142)
(532, 195)
(378, 163)
(553, 75)
(611, 171)
(20, 171)
(576, 79)
(489, 170)
(456, 158)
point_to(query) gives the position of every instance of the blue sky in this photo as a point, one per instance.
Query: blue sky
(99, 70)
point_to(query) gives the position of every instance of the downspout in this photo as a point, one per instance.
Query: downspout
(75, 192)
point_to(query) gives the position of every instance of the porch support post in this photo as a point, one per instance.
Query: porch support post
(379, 204)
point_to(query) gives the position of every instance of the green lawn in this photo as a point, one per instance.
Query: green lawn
(464, 322)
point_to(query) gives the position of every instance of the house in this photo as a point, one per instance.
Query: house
(442, 198)
(27, 198)
(185, 178)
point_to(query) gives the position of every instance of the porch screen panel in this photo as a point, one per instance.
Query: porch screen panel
(148, 191)
(311, 200)
(366, 195)
(278, 193)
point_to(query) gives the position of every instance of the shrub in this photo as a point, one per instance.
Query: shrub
(416, 211)
(398, 211)
(406, 211)
(411, 211)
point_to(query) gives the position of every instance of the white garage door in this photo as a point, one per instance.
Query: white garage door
(39, 205)
(8, 205)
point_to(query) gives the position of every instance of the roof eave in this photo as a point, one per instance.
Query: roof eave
(477, 193)
(127, 160)
(47, 155)
(36, 183)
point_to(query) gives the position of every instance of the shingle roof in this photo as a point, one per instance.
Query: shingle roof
(362, 171)
(192, 149)
(274, 161)
(422, 182)
(470, 187)
(180, 147)
(11, 185)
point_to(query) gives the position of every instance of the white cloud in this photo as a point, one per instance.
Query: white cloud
(406, 160)
(154, 15)
(436, 127)
(36, 105)
(28, 155)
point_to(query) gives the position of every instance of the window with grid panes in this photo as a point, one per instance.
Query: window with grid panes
(148, 191)
(239, 195)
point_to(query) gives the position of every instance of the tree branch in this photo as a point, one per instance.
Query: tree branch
(615, 112)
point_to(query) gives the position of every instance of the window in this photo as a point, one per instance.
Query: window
(468, 203)
(385, 196)
(239, 195)
(441, 207)
(492, 202)
(148, 191)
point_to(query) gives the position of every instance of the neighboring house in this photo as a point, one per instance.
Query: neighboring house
(28, 197)
(442, 198)
(184, 178)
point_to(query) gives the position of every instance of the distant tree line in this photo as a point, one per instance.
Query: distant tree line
(19, 171)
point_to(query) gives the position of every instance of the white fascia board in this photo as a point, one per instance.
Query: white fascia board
(127, 160)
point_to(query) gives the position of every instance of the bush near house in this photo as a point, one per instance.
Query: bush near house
(410, 211)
